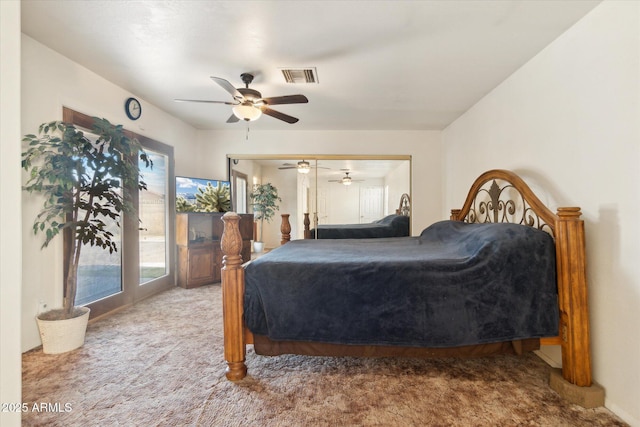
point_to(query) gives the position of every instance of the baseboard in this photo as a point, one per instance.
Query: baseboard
(548, 360)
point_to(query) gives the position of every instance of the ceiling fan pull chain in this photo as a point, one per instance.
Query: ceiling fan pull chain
(247, 138)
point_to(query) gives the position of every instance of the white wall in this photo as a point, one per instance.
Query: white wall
(287, 186)
(49, 82)
(10, 212)
(569, 122)
(397, 186)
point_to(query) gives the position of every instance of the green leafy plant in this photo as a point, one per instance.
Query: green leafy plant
(81, 178)
(183, 205)
(213, 199)
(264, 198)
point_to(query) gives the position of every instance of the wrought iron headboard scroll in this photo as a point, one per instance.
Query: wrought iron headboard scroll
(502, 196)
(405, 205)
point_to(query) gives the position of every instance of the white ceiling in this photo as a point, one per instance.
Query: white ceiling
(411, 65)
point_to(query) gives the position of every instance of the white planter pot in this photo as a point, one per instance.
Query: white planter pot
(258, 247)
(60, 336)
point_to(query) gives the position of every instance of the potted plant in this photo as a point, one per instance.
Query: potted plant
(264, 198)
(81, 179)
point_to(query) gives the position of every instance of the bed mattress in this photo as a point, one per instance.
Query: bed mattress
(456, 284)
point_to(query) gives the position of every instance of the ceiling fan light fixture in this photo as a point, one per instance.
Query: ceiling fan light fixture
(346, 180)
(304, 167)
(248, 113)
(249, 104)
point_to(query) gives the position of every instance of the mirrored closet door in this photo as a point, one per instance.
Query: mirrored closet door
(331, 189)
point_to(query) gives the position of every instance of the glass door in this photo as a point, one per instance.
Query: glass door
(99, 272)
(153, 213)
(144, 262)
(152, 239)
(239, 191)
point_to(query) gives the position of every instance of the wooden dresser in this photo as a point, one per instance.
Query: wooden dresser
(198, 237)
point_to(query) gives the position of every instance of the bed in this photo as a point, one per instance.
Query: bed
(394, 225)
(497, 196)
(486, 283)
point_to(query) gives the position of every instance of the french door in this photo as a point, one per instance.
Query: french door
(239, 188)
(145, 260)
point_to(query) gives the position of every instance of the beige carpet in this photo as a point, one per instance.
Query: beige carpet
(160, 363)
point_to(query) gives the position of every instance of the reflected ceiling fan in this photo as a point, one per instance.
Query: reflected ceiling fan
(302, 166)
(248, 104)
(346, 179)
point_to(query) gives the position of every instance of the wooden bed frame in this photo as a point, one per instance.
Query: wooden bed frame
(404, 209)
(495, 196)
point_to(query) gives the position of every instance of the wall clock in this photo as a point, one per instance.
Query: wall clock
(133, 108)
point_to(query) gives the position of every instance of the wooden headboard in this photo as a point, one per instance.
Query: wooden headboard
(502, 196)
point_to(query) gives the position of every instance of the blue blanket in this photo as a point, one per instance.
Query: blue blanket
(457, 284)
(389, 226)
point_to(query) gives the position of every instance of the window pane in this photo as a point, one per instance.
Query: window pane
(153, 219)
(99, 272)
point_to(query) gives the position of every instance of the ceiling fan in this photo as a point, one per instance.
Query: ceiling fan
(302, 166)
(248, 104)
(346, 179)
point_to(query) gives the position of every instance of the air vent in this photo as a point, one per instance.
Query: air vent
(300, 75)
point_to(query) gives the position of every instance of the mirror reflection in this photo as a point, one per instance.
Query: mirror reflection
(331, 189)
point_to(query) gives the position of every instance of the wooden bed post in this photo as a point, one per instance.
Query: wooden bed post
(307, 230)
(285, 229)
(572, 297)
(232, 297)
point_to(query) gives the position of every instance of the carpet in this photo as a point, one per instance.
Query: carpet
(160, 363)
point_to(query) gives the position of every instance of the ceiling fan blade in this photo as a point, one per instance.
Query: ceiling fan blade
(290, 166)
(296, 167)
(206, 101)
(278, 115)
(228, 87)
(233, 119)
(287, 99)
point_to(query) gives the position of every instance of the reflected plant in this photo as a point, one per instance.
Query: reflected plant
(264, 198)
